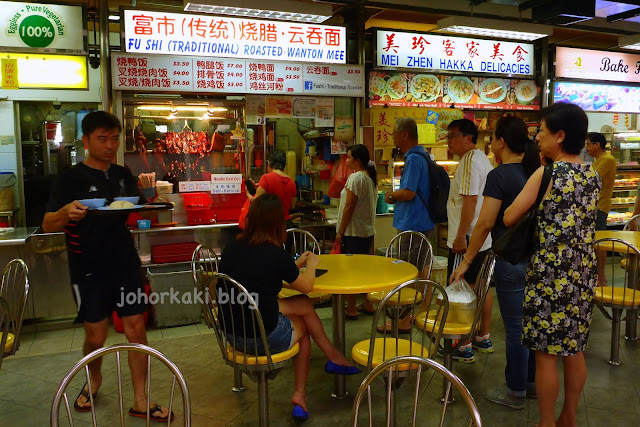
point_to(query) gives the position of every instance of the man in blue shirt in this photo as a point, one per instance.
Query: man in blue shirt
(411, 199)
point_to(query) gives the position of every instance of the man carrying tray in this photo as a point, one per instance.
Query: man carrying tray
(103, 260)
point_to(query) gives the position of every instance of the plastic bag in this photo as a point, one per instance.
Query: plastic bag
(462, 302)
(337, 248)
(339, 179)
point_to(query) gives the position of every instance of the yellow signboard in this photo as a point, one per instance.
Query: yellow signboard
(9, 73)
(46, 71)
(432, 123)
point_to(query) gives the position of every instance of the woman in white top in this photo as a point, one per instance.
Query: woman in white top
(357, 213)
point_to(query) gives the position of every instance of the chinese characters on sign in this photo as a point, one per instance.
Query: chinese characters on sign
(434, 125)
(184, 74)
(226, 183)
(193, 186)
(9, 73)
(425, 51)
(200, 35)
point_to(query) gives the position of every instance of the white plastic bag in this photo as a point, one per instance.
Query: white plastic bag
(462, 302)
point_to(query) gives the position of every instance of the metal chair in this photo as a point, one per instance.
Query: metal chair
(412, 247)
(455, 330)
(83, 365)
(620, 298)
(372, 352)
(204, 263)
(634, 221)
(419, 365)
(14, 291)
(298, 242)
(256, 360)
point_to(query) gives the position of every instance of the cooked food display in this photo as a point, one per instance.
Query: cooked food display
(425, 87)
(377, 85)
(526, 91)
(397, 87)
(493, 90)
(460, 89)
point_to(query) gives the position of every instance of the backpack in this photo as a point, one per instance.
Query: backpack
(439, 184)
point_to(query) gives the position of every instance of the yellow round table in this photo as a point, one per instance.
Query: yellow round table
(632, 237)
(356, 274)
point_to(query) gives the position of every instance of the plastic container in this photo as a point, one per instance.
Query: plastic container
(381, 205)
(144, 224)
(439, 270)
(177, 280)
(461, 312)
(173, 252)
(198, 208)
(7, 181)
(163, 187)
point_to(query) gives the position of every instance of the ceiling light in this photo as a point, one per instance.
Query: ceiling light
(629, 42)
(283, 10)
(114, 17)
(494, 28)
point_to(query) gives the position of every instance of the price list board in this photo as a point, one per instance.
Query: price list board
(185, 74)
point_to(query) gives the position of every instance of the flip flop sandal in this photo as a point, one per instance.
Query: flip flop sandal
(84, 392)
(361, 309)
(350, 316)
(152, 410)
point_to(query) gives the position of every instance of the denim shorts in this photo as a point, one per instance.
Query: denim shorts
(279, 340)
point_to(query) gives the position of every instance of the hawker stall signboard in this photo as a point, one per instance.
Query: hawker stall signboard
(160, 73)
(395, 89)
(597, 65)
(222, 36)
(430, 52)
(44, 27)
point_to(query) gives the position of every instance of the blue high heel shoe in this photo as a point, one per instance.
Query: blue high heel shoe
(334, 368)
(299, 414)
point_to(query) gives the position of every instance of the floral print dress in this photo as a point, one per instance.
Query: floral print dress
(562, 272)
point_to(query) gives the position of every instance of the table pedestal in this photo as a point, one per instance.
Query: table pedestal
(340, 381)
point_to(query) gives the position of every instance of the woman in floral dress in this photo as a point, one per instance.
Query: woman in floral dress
(562, 272)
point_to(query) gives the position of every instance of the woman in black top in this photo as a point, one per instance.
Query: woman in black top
(259, 262)
(511, 145)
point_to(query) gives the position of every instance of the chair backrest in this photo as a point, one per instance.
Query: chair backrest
(413, 247)
(204, 263)
(299, 241)
(421, 294)
(422, 365)
(221, 294)
(632, 223)
(15, 290)
(621, 292)
(4, 328)
(481, 288)
(83, 364)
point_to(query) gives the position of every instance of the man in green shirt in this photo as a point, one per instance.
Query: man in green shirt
(605, 165)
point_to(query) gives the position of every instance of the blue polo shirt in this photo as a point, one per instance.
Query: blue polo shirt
(413, 214)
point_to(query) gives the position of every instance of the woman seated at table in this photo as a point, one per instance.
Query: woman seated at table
(258, 261)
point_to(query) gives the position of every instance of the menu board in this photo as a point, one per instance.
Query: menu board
(384, 119)
(599, 97)
(441, 91)
(153, 73)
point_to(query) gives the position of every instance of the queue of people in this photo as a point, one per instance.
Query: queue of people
(546, 302)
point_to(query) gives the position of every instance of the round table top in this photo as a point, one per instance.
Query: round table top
(632, 237)
(357, 274)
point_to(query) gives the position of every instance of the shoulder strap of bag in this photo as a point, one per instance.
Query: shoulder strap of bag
(546, 178)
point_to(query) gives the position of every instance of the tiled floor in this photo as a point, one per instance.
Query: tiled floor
(29, 379)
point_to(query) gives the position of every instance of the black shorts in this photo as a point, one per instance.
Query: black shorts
(474, 268)
(356, 245)
(99, 294)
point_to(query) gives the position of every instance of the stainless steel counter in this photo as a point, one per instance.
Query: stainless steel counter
(16, 237)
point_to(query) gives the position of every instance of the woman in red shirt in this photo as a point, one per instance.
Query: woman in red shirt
(278, 183)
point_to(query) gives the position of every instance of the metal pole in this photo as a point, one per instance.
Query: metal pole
(340, 382)
(105, 55)
(547, 98)
(360, 102)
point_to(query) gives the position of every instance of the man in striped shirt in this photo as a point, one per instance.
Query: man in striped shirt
(463, 209)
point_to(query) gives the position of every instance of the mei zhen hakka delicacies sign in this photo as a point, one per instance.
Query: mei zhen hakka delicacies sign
(221, 36)
(426, 51)
(597, 65)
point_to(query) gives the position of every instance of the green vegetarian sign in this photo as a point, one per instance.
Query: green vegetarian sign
(38, 26)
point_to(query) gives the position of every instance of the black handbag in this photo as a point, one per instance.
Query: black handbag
(517, 243)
